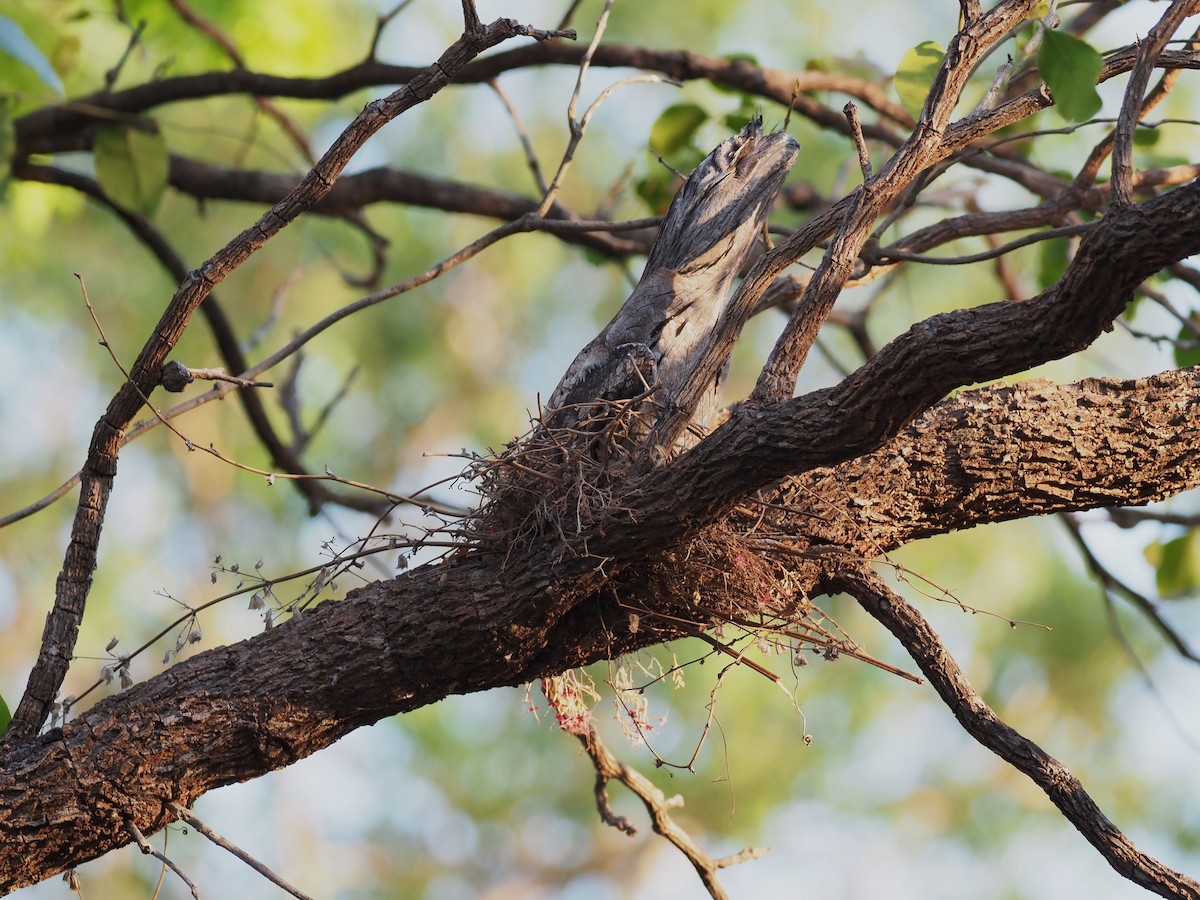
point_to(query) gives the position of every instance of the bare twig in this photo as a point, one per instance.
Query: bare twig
(925, 146)
(385, 19)
(145, 847)
(1112, 584)
(523, 135)
(981, 722)
(190, 817)
(658, 804)
(1131, 105)
(860, 143)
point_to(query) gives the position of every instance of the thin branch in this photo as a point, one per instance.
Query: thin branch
(890, 256)
(190, 817)
(145, 847)
(609, 767)
(224, 337)
(1064, 790)
(1149, 50)
(1112, 584)
(523, 135)
(860, 143)
(1086, 176)
(925, 146)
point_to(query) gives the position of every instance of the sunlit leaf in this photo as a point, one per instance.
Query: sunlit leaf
(16, 44)
(131, 165)
(676, 127)
(66, 55)
(5, 716)
(915, 75)
(1176, 565)
(1070, 67)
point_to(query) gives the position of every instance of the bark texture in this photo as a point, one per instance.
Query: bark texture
(480, 621)
(810, 486)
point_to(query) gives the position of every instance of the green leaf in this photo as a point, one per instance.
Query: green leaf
(658, 188)
(676, 127)
(914, 77)
(5, 716)
(1146, 137)
(132, 166)
(1070, 67)
(16, 44)
(1052, 261)
(1187, 354)
(1175, 562)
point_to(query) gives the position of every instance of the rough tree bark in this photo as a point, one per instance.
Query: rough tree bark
(238, 712)
(811, 487)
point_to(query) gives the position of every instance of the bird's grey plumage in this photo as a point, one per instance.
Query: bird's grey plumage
(656, 338)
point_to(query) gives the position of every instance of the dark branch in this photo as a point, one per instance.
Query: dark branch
(386, 185)
(1064, 789)
(916, 370)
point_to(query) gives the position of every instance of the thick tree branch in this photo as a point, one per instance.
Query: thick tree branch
(481, 621)
(1064, 789)
(760, 444)
(1000, 453)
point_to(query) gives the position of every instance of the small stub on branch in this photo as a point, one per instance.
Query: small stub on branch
(174, 376)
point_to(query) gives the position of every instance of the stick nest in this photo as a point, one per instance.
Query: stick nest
(564, 483)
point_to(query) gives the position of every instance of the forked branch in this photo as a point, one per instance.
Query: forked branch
(658, 804)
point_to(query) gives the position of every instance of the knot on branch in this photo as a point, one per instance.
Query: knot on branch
(174, 376)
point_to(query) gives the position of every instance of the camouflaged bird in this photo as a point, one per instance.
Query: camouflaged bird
(655, 340)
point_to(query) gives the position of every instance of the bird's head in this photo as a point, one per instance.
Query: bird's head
(724, 202)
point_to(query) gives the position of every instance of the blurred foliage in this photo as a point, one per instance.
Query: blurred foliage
(915, 75)
(478, 796)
